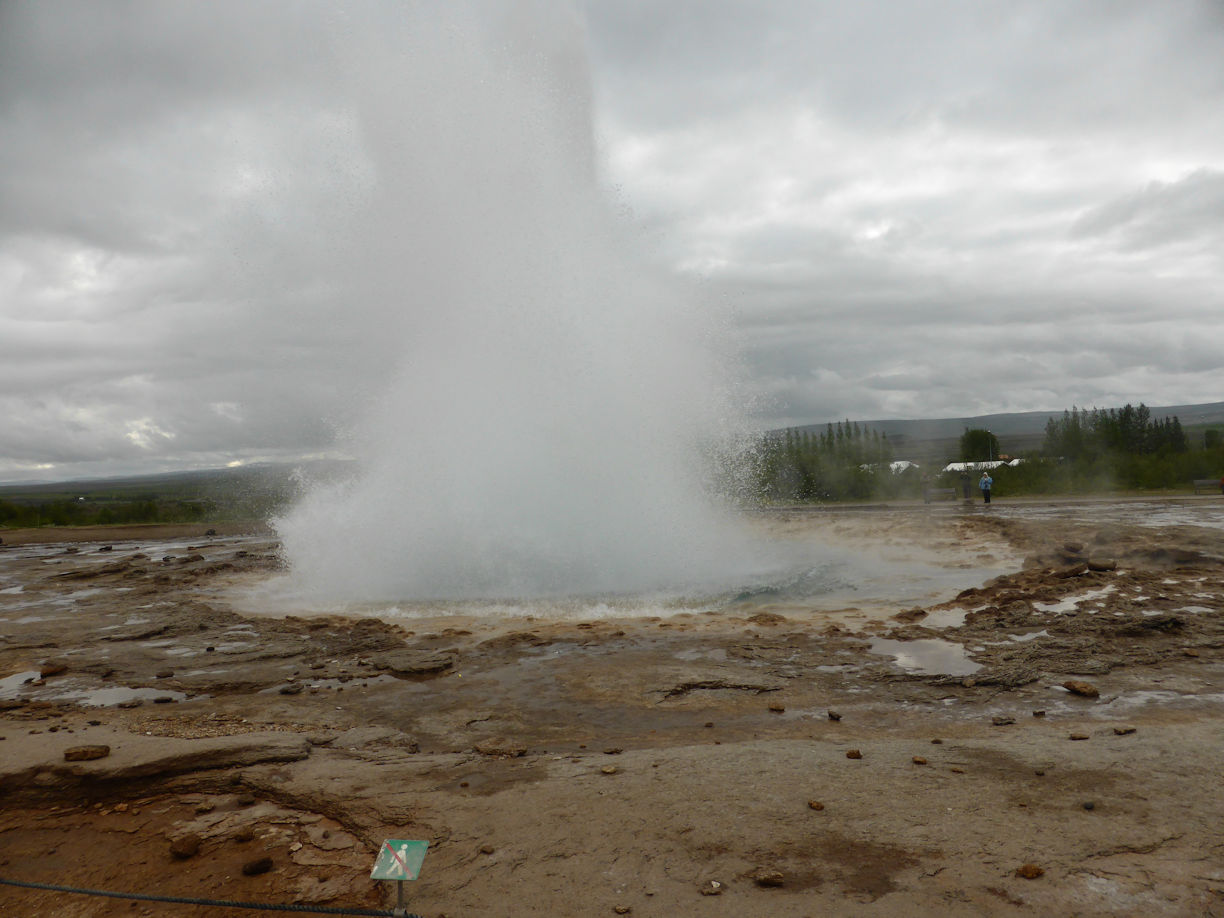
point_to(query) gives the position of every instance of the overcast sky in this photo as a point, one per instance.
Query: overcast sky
(912, 210)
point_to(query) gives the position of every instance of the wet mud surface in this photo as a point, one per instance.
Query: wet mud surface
(1034, 685)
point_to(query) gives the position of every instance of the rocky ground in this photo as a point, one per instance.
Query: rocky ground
(1045, 742)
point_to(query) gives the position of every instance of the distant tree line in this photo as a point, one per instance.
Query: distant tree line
(842, 461)
(22, 514)
(1085, 435)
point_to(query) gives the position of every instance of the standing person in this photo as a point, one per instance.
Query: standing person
(985, 483)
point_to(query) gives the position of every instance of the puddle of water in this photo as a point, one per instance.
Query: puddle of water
(929, 656)
(1021, 638)
(945, 618)
(1064, 606)
(20, 685)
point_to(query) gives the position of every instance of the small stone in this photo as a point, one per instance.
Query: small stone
(968, 682)
(768, 878)
(713, 888)
(1078, 736)
(709, 723)
(163, 699)
(777, 707)
(622, 909)
(185, 846)
(853, 754)
(956, 771)
(833, 715)
(487, 849)
(609, 769)
(1084, 689)
(292, 689)
(122, 808)
(1190, 652)
(244, 833)
(1002, 720)
(85, 753)
(1029, 871)
(256, 867)
(1039, 713)
(1040, 772)
(937, 742)
(815, 805)
(164, 673)
(1089, 805)
(919, 760)
(1124, 731)
(613, 750)
(52, 668)
(206, 807)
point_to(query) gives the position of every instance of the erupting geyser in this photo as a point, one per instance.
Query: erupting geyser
(551, 426)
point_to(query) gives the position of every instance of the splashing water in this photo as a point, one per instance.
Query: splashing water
(548, 428)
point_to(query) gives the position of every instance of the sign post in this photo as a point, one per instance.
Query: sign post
(399, 859)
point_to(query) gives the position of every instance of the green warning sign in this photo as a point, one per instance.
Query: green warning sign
(399, 859)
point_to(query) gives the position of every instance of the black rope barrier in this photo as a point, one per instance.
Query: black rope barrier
(221, 903)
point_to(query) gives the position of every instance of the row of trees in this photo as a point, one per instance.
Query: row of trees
(1084, 451)
(839, 462)
(1082, 434)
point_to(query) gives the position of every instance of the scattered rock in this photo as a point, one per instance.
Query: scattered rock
(853, 754)
(833, 715)
(1073, 547)
(1039, 713)
(609, 769)
(164, 673)
(815, 805)
(1085, 689)
(919, 760)
(256, 867)
(245, 800)
(622, 909)
(937, 742)
(613, 750)
(712, 888)
(1102, 565)
(244, 833)
(1089, 805)
(777, 707)
(415, 662)
(956, 771)
(1078, 736)
(768, 878)
(85, 753)
(1073, 571)
(504, 748)
(1124, 731)
(910, 615)
(294, 688)
(185, 846)
(1190, 652)
(1029, 871)
(487, 849)
(1002, 720)
(52, 668)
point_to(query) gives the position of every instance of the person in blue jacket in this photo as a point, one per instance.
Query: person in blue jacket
(985, 483)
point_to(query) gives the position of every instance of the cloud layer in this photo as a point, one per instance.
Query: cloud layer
(947, 209)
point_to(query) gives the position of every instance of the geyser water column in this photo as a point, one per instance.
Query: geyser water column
(548, 429)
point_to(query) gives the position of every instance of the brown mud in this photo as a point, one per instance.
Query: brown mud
(1065, 715)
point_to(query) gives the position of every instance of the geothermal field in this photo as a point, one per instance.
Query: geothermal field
(920, 710)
